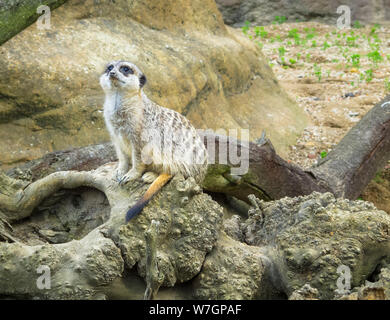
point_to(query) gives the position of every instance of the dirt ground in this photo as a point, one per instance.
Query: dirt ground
(336, 76)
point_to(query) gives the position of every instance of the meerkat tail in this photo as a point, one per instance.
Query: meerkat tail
(157, 184)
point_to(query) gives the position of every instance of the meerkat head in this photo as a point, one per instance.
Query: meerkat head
(122, 75)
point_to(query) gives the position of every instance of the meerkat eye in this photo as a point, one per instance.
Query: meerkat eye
(110, 67)
(126, 70)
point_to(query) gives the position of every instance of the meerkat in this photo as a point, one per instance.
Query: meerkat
(159, 142)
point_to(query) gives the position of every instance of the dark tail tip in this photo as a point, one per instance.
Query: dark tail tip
(136, 209)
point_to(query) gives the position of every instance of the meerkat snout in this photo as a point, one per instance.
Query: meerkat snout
(112, 75)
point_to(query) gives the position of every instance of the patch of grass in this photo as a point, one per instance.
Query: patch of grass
(310, 36)
(323, 154)
(375, 56)
(246, 27)
(317, 72)
(375, 28)
(260, 32)
(351, 41)
(293, 33)
(279, 19)
(292, 61)
(325, 45)
(369, 75)
(357, 24)
(387, 85)
(378, 178)
(282, 51)
(355, 59)
(261, 45)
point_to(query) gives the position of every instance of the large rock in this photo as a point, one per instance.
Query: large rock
(233, 270)
(50, 98)
(261, 12)
(15, 15)
(289, 248)
(81, 237)
(311, 240)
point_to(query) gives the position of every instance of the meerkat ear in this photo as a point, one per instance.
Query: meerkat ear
(142, 81)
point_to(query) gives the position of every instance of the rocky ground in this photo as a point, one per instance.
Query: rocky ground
(336, 76)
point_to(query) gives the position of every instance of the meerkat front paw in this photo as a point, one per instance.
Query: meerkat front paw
(149, 177)
(130, 176)
(119, 173)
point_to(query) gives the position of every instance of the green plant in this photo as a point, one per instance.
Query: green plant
(351, 41)
(323, 154)
(260, 44)
(325, 45)
(369, 75)
(376, 38)
(374, 45)
(387, 84)
(375, 56)
(310, 36)
(355, 59)
(375, 28)
(246, 27)
(279, 19)
(357, 24)
(378, 178)
(260, 32)
(293, 33)
(282, 51)
(317, 72)
(293, 61)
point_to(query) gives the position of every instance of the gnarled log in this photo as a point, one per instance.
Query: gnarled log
(345, 171)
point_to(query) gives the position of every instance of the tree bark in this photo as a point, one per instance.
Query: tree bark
(364, 150)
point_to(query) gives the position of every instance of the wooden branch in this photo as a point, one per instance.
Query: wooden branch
(269, 177)
(365, 149)
(20, 203)
(345, 171)
(78, 159)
